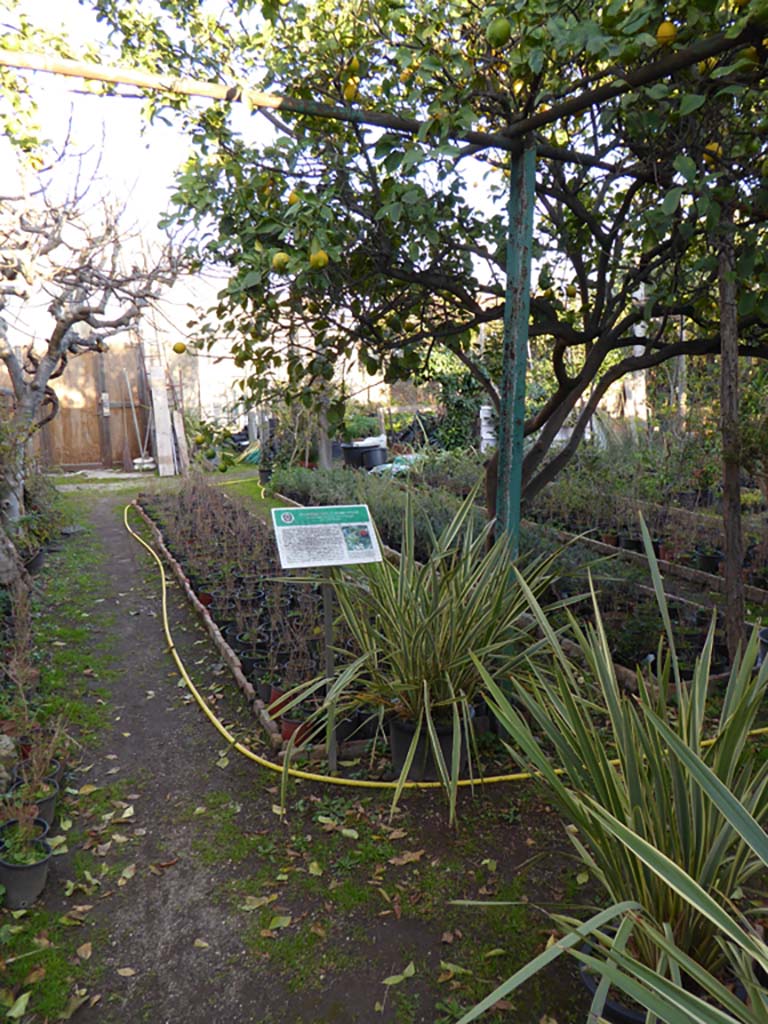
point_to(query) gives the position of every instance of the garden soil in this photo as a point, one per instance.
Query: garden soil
(198, 904)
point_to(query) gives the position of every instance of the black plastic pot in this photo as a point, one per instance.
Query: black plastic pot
(24, 882)
(253, 664)
(374, 457)
(55, 773)
(630, 542)
(41, 830)
(763, 637)
(353, 455)
(614, 1012)
(708, 561)
(349, 727)
(423, 767)
(363, 456)
(46, 808)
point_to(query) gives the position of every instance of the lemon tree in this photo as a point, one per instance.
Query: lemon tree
(413, 220)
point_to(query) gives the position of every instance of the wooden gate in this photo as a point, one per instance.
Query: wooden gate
(95, 424)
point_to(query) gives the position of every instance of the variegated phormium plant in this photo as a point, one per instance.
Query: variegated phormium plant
(420, 630)
(662, 791)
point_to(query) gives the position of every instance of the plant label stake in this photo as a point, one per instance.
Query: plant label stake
(324, 536)
(327, 590)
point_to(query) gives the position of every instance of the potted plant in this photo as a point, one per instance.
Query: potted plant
(36, 777)
(604, 758)
(297, 722)
(24, 856)
(418, 631)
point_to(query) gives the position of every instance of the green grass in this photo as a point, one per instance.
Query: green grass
(39, 945)
(252, 493)
(41, 941)
(72, 659)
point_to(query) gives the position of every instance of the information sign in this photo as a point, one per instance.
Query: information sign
(325, 535)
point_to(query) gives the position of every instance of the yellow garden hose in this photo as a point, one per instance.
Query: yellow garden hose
(297, 773)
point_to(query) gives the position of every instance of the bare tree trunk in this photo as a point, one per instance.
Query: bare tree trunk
(10, 563)
(729, 421)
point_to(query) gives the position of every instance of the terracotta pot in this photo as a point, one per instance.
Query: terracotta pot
(277, 700)
(299, 728)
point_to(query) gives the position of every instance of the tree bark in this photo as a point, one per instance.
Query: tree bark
(729, 422)
(10, 563)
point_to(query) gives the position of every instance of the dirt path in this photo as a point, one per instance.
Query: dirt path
(203, 907)
(167, 760)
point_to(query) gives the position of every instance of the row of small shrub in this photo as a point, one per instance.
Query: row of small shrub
(385, 496)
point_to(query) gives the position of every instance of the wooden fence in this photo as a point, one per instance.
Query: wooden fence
(95, 424)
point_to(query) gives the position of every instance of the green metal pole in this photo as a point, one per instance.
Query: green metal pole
(522, 193)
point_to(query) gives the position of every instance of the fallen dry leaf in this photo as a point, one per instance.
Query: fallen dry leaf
(126, 972)
(409, 857)
(201, 944)
(126, 875)
(84, 951)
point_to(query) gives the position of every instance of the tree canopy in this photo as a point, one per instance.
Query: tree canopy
(340, 236)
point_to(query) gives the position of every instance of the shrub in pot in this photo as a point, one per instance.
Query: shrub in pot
(24, 857)
(419, 632)
(36, 776)
(623, 780)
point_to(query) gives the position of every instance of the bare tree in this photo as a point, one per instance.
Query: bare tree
(67, 262)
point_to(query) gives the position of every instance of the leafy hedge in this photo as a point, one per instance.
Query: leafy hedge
(385, 496)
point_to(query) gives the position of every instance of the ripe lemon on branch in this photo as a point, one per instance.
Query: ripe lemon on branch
(666, 33)
(318, 260)
(280, 262)
(713, 153)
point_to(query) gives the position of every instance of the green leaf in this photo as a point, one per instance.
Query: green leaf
(686, 166)
(282, 921)
(671, 201)
(446, 965)
(691, 102)
(396, 979)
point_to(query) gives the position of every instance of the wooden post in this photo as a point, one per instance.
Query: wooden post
(162, 415)
(105, 432)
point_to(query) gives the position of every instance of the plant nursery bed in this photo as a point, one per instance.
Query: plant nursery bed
(705, 581)
(184, 896)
